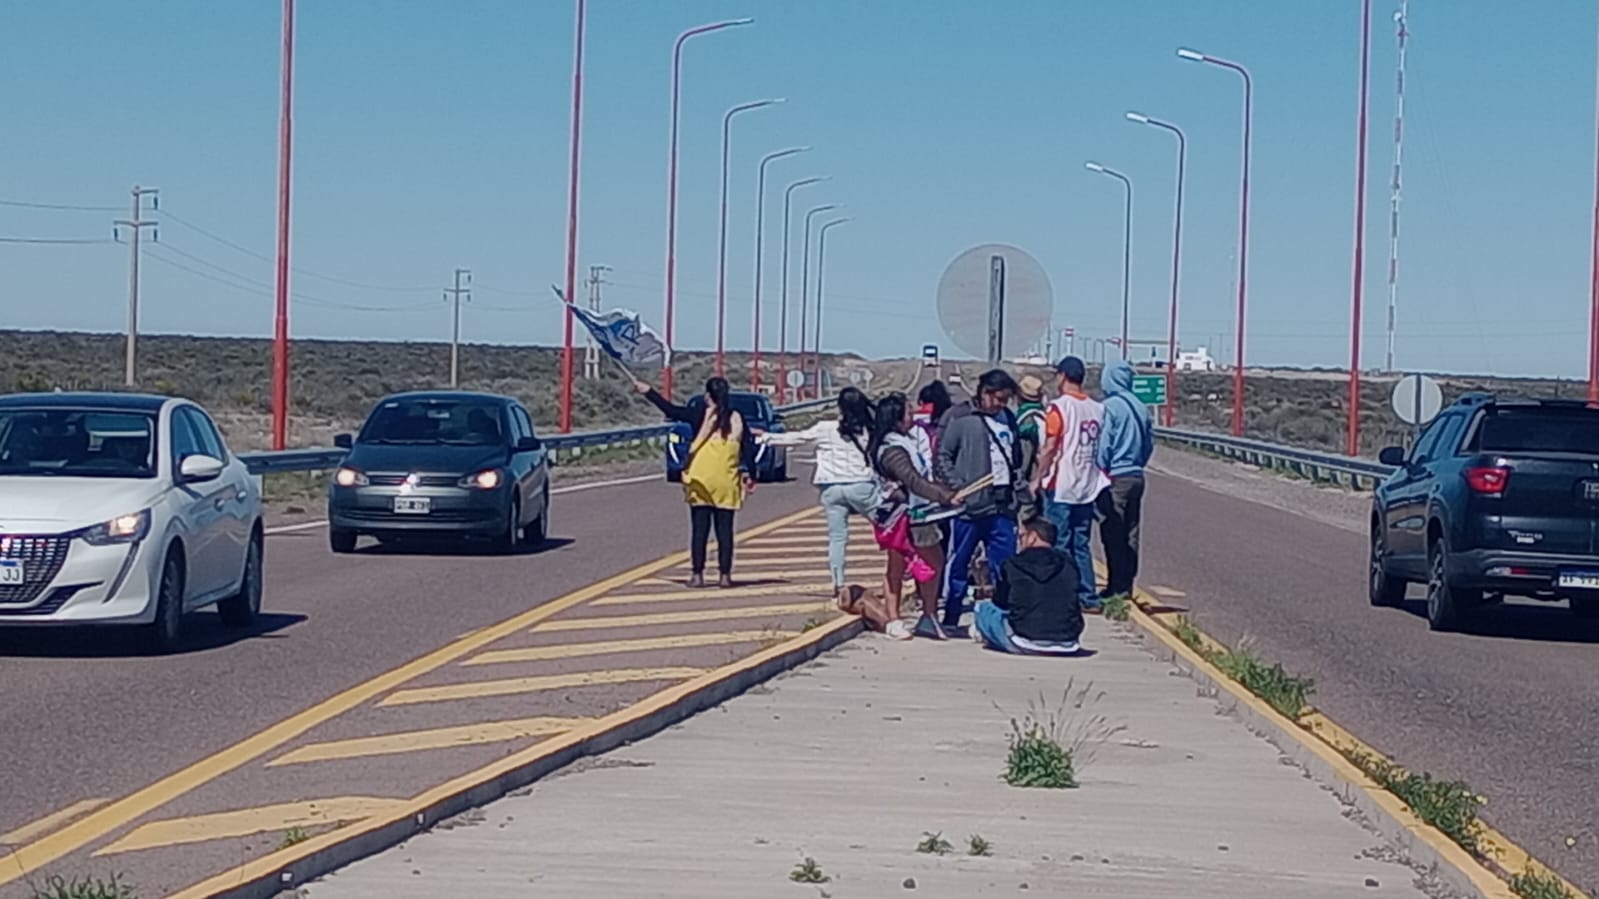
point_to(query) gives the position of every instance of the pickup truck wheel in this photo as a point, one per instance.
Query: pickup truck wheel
(1448, 607)
(1585, 607)
(1386, 590)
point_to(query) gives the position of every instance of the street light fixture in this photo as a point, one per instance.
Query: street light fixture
(760, 255)
(671, 186)
(821, 273)
(782, 327)
(1127, 243)
(805, 286)
(1243, 227)
(1176, 256)
(721, 235)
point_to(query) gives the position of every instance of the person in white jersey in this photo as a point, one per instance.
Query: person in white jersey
(1069, 477)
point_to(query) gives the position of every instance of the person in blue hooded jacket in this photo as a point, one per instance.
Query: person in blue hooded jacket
(1126, 441)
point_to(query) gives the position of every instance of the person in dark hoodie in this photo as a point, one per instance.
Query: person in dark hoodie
(1035, 609)
(1126, 441)
(979, 438)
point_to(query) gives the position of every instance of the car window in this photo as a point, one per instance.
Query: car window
(525, 420)
(1555, 429)
(466, 421)
(206, 431)
(77, 443)
(1448, 430)
(185, 439)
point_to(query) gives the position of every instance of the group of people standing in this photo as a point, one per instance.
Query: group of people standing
(1020, 475)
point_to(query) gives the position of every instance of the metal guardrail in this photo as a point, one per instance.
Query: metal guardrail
(323, 459)
(1331, 468)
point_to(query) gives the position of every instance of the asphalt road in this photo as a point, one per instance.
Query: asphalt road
(1512, 709)
(85, 717)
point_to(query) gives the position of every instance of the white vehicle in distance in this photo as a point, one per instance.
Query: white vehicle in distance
(122, 509)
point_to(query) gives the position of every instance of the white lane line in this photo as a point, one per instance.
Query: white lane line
(557, 491)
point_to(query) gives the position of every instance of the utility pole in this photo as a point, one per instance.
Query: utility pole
(135, 226)
(454, 295)
(591, 354)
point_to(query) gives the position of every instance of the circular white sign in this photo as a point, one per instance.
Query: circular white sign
(867, 376)
(855, 376)
(1417, 399)
(796, 378)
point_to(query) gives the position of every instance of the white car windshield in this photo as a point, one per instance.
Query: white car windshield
(78, 443)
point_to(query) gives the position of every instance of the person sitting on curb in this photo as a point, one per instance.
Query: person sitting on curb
(1035, 609)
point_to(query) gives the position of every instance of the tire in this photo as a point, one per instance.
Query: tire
(341, 540)
(510, 536)
(1386, 591)
(536, 533)
(1585, 607)
(243, 608)
(1448, 607)
(674, 477)
(165, 634)
(780, 475)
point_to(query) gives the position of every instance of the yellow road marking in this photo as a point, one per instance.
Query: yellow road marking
(622, 599)
(582, 624)
(244, 822)
(437, 738)
(51, 821)
(573, 650)
(865, 542)
(515, 685)
(121, 812)
(760, 556)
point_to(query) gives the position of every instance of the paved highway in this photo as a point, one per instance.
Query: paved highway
(1512, 710)
(88, 722)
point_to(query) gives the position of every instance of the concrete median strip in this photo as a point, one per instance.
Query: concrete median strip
(1317, 742)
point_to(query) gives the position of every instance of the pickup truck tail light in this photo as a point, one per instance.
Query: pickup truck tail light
(1488, 480)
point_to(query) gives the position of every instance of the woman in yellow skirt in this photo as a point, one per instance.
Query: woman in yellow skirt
(716, 476)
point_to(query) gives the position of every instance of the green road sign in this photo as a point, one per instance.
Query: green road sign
(1150, 389)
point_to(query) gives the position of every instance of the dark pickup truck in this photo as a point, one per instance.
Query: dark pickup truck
(1497, 497)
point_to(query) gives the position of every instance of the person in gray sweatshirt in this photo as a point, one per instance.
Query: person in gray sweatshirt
(1126, 441)
(979, 438)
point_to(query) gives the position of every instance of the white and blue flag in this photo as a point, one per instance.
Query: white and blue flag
(623, 336)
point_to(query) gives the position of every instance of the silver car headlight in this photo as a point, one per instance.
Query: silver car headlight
(122, 529)
(350, 477)
(483, 480)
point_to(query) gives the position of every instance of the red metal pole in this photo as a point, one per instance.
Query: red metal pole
(671, 191)
(571, 219)
(1593, 280)
(280, 324)
(1352, 444)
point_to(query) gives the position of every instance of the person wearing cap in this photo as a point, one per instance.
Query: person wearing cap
(1030, 420)
(1069, 476)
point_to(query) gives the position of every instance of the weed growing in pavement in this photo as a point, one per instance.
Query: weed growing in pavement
(84, 888)
(808, 871)
(812, 624)
(1536, 883)
(976, 845)
(294, 836)
(1118, 607)
(1285, 692)
(1048, 746)
(934, 844)
(1185, 631)
(1448, 805)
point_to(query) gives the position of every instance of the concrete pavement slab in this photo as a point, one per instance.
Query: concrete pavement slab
(852, 759)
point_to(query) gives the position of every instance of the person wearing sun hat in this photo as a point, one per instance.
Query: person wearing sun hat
(1030, 421)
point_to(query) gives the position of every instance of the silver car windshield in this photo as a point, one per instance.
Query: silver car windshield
(464, 422)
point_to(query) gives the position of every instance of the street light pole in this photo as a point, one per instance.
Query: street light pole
(571, 219)
(821, 274)
(1176, 257)
(805, 289)
(1127, 244)
(280, 320)
(671, 188)
(782, 327)
(760, 255)
(1357, 292)
(1593, 283)
(1243, 228)
(721, 233)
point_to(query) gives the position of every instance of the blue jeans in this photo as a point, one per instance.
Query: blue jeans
(990, 623)
(1074, 531)
(997, 534)
(838, 502)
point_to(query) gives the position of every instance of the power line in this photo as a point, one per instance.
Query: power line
(58, 241)
(261, 288)
(66, 207)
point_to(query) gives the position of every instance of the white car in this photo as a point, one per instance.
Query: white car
(122, 509)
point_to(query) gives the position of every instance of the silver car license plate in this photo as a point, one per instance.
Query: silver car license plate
(12, 573)
(412, 505)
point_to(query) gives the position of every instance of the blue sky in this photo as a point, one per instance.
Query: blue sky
(431, 135)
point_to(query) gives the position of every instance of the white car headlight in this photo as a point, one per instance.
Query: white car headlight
(349, 477)
(483, 480)
(122, 529)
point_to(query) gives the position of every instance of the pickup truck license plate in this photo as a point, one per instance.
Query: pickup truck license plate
(1578, 580)
(412, 505)
(12, 573)
(1589, 490)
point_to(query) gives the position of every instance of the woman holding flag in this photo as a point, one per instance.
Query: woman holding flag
(716, 476)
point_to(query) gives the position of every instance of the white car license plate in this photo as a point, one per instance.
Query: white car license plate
(1578, 580)
(12, 573)
(412, 505)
